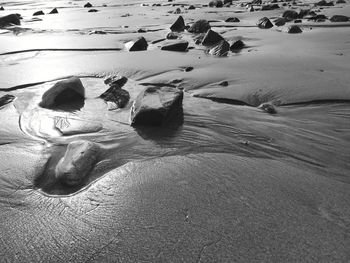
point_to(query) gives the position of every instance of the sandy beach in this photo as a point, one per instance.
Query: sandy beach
(175, 131)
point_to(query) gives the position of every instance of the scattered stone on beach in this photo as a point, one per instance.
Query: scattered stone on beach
(78, 161)
(38, 13)
(211, 38)
(88, 5)
(156, 105)
(12, 19)
(191, 7)
(177, 11)
(339, 18)
(116, 81)
(270, 7)
(280, 21)
(294, 29)
(63, 92)
(298, 21)
(179, 25)
(236, 46)
(264, 23)
(324, 3)
(232, 19)
(215, 3)
(221, 49)
(93, 11)
(2, 8)
(6, 99)
(200, 26)
(290, 14)
(139, 45)
(268, 107)
(318, 17)
(180, 46)
(340, 2)
(116, 97)
(250, 8)
(224, 83)
(54, 11)
(172, 35)
(188, 69)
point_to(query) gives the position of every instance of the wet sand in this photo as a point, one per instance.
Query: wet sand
(225, 182)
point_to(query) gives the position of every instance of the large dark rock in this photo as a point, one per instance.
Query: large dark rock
(64, 92)
(54, 11)
(200, 26)
(215, 3)
(294, 29)
(13, 19)
(211, 38)
(179, 25)
(78, 161)
(2, 8)
(290, 14)
(180, 46)
(236, 46)
(39, 13)
(220, 50)
(232, 19)
(88, 5)
(156, 105)
(6, 99)
(138, 45)
(339, 18)
(264, 23)
(116, 81)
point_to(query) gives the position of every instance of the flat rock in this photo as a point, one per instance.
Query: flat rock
(139, 45)
(79, 159)
(93, 11)
(339, 18)
(2, 8)
(116, 81)
(200, 26)
(12, 19)
(179, 25)
(264, 23)
(270, 7)
(63, 92)
(211, 38)
(232, 19)
(156, 105)
(38, 13)
(180, 46)
(116, 98)
(324, 3)
(221, 49)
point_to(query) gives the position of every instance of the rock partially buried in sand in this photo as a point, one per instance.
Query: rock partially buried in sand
(180, 46)
(211, 38)
(54, 11)
(138, 45)
(339, 18)
(268, 107)
(294, 29)
(220, 50)
(232, 19)
(88, 5)
(38, 13)
(324, 3)
(156, 105)
(63, 92)
(264, 23)
(13, 19)
(116, 81)
(280, 21)
(200, 26)
(270, 7)
(290, 14)
(236, 46)
(93, 11)
(215, 3)
(6, 99)
(78, 161)
(179, 25)
(115, 96)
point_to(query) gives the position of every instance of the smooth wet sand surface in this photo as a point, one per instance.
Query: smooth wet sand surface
(227, 182)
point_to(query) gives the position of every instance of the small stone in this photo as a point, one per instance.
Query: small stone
(268, 107)
(138, 45)
(290, 14)
(93, 11)
(215, 3)
(2, 8)
(116, 97)
(179, 25)
(191, 7)
(280, 21)
(38, 13)
(232, 19)
(264, 23)
(88, 5)
(297, 21)
(54, 11)
(224, 83)
(116, 81)
(188, 69)
(294, 29)
(211, 38)
(238, 45)
(221, 49)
